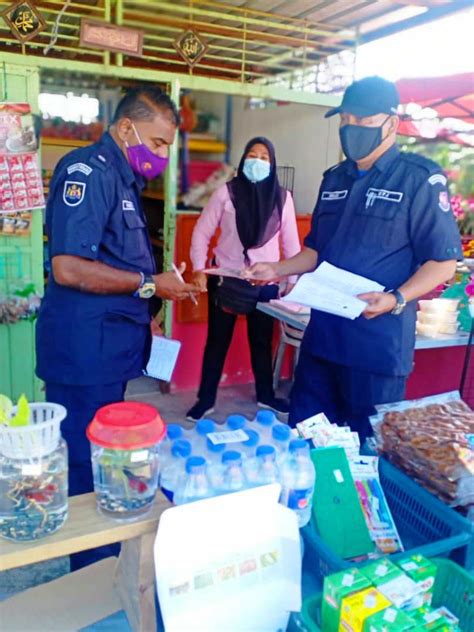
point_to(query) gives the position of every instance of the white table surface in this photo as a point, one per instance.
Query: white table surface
(299, 321)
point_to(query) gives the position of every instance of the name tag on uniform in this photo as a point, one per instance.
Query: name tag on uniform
(382, 194)
(331, 196)
(128, 205)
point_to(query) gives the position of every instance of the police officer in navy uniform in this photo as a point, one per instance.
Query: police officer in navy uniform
(385, 215)
(93, 330)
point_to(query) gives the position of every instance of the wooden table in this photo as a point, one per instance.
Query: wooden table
(94, 592)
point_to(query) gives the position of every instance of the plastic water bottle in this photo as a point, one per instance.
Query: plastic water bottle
(233, 477)
(214, 451)
(199, 436)
(297, 477)
(174, 470)
(281, 435)
(265, 420)
(173, 433)
(249, 448)
(195, 484)
(266, 467)
(236, 422)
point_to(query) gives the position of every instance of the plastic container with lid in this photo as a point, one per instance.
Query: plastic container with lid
(426, 318)
(195, 484)
(124, 439)
(173, 473)
(249, 448)
(33, 474)
(264, 423)
(236, 422)
(439, 305)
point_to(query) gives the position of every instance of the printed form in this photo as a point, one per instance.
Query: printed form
(333, 290)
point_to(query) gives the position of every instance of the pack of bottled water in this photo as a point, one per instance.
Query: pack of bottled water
(212, 459)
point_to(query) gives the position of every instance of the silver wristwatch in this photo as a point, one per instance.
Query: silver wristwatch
(401, 303)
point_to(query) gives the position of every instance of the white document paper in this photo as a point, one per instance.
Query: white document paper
(163, 357)
(332, 290)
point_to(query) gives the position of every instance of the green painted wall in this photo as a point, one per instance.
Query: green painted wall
(21, 261)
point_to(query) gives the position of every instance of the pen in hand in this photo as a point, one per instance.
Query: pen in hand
(180, 277)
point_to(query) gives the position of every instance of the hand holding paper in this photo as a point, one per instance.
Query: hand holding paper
(332, 290)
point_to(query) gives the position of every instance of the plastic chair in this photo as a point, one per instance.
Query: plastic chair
(288, 336)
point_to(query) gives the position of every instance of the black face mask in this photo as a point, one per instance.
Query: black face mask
(358, 141)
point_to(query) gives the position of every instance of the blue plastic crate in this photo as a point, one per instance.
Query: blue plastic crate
(425, 524)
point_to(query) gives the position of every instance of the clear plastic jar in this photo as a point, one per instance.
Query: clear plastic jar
(125, 481)
(33, 476)
(125, 458)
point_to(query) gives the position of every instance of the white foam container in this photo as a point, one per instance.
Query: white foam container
(439, 318)
(439, 305)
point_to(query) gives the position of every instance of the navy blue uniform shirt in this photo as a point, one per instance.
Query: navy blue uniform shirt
(383, 225)
(94, 212)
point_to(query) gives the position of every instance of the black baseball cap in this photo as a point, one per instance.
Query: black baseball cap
(368, 96)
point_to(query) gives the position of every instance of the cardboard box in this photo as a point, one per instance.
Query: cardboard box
(423, 572)
(390, 620)
(357, 608)
(431, 619)
(402, 591)
(336, 587)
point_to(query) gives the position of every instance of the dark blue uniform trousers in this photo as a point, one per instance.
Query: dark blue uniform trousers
(81, 403)
(344, 394)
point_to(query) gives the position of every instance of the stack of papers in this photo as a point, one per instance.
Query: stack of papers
(324, 434)
(332, 290)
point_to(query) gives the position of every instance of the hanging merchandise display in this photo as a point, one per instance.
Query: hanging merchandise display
(21, 186)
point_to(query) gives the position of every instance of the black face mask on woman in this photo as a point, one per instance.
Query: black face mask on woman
(358, 141)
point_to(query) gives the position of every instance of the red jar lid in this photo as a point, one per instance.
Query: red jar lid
(126, 426)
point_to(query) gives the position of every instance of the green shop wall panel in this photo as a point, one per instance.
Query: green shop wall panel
(21, 262)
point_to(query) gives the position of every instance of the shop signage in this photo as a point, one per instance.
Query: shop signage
(191, 47)
(24, 20)
(105, 36)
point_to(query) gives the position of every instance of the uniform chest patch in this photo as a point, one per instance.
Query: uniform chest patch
(332, 196)
(382, 194)
(74, 192)
(128, 205)
(444, 204)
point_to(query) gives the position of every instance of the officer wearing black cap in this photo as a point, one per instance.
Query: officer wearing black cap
(384, 215)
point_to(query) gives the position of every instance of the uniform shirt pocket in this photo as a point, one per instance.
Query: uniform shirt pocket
(135, 247)
(382, 218)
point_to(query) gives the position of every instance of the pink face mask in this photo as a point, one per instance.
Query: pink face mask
(143, 161)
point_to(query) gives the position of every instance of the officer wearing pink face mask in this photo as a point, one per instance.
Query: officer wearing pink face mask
(93, 330)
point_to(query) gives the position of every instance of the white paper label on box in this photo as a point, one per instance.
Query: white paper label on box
(31, 469)
(228, 436)
(348, 579)
(381, 570)
(409, 566)
(338, 476)
(390, 615)
(138, 456)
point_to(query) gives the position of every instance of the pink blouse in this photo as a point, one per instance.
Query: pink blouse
(219, 212)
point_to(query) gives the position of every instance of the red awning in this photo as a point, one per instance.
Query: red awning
(451, 96)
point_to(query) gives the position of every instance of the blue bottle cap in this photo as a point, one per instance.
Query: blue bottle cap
(266, 450)
(253, 438)
(231, 456)
(213, 447)
(265, 417)
(236, 422)
(281, 432)
(174, 431)
(205, 426)
(181, 447)
(195, 462)
(298, 444)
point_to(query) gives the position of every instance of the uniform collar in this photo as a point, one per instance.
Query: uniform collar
(382, 164)
(127, 173)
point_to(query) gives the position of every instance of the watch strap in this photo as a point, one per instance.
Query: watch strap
(142, 282)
